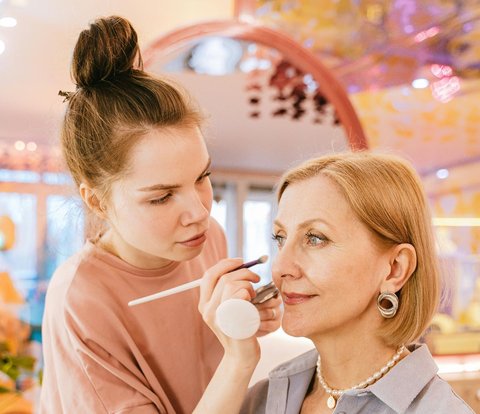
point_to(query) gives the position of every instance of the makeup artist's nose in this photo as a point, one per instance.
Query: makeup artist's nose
(285, 264)
(196, 208)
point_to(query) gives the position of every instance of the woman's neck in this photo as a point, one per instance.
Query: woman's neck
(349, 359)
(129, 254)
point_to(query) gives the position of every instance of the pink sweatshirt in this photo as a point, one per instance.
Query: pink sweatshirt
(102, 356)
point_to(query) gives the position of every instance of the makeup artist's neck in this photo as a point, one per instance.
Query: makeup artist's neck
(118, 247)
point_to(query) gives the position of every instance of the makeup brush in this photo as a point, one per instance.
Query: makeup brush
(190, 285)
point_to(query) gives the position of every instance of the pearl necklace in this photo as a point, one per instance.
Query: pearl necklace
(335, 394)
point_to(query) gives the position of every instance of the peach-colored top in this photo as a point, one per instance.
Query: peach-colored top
(102, 356)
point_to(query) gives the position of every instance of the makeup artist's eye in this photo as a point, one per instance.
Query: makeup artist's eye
(203, 176)
(280, 240)
(161, 200)
(313, 239)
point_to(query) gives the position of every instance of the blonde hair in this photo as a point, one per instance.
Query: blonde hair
(115, 104)
(387, 195)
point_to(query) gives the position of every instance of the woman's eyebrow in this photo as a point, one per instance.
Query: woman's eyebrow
(157, 187)
(305, 223)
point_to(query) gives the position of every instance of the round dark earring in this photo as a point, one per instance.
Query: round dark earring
(391, 311)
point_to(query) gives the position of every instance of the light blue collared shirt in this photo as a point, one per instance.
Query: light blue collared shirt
(412, 386)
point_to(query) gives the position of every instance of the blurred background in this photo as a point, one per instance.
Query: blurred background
(280, 81)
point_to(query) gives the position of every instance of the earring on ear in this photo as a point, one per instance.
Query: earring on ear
(391, 311)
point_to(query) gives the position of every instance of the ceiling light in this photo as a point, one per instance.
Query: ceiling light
(8, 22)
(420, 83)
(442, 173)
(19, 145)
(215, 56)
(31, 146)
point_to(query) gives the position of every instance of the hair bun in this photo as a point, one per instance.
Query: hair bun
(107, 49)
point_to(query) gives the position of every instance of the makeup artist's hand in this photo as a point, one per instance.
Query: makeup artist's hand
(220, 283)
(270, 315)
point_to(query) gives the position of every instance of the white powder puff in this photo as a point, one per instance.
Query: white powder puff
(238, 319)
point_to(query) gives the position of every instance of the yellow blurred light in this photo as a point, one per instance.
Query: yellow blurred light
(456, 221)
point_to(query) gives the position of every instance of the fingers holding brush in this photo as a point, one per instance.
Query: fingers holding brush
(226, 280)
(270, 315)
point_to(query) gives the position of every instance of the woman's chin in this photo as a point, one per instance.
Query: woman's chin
(294, 328)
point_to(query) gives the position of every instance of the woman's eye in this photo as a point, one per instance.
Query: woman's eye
(279, 239)
(160, 200)
(202, 178)
(315, 239)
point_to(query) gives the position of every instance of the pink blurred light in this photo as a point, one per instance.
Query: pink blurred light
(441, 71)
(444, 89)
(420, 37)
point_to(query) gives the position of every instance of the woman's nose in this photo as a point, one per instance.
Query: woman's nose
(196, 209)
(285, 264)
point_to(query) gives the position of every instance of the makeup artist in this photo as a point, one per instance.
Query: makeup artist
(134, 147)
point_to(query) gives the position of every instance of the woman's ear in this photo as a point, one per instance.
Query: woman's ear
(403, 262)
(91, 200)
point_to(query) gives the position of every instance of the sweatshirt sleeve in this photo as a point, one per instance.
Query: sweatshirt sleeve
(112, 373)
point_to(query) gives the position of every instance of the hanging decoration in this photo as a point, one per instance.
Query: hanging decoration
(374, 44)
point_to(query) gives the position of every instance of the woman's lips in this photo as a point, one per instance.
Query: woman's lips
(195, 241)
(295, 298)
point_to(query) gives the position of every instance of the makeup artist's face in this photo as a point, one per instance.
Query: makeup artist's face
(328, 267)
(161, 207)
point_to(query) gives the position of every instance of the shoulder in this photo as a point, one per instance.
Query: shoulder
(216, 245)
(256, 399)
(215, 230)
(62, 280)
(75, 295)
(439, 397)
(286, 384)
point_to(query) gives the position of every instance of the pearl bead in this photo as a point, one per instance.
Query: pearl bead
(336, 393)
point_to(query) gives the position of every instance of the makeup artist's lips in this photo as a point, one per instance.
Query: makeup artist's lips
(195, 241)
(292, 298)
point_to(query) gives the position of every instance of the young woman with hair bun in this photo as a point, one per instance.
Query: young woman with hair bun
(135, 150)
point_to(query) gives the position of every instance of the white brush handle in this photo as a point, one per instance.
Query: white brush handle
(189, 285)
(168, 292)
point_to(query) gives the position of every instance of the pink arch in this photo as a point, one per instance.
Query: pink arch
(294, 52)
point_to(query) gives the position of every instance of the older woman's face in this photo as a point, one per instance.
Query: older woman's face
(328, 268)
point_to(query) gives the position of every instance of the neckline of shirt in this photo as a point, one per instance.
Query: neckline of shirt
(112, 260)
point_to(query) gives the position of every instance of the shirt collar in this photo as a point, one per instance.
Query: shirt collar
(406, 379)
(301, 363)
(397, 389)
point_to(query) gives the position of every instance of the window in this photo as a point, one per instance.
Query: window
(48, 225)
(257, 229)
(21, 260)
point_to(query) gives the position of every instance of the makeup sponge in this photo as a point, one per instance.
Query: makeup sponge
(238, 318)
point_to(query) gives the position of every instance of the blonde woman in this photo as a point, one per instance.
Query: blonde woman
(358, 274)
